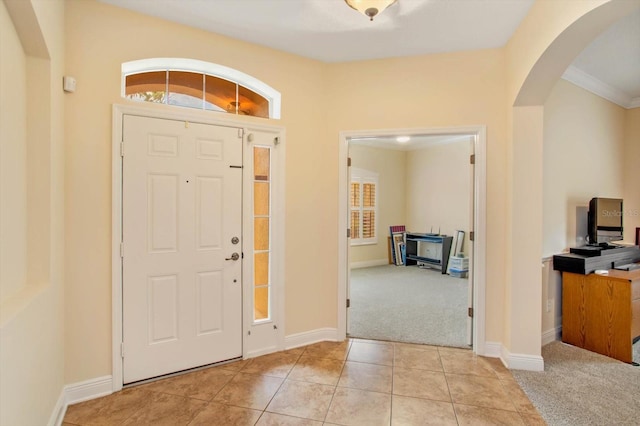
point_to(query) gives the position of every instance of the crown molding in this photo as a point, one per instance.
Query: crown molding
(598, 87)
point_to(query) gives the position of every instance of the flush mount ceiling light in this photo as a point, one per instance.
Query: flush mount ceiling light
(370, 8)
(403, 139)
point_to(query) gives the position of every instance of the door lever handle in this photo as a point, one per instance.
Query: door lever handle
(234, 256)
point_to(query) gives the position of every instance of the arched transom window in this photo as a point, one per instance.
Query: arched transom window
(197, 84)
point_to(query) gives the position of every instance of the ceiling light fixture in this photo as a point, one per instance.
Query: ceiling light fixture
(403, 139)
(370, 8)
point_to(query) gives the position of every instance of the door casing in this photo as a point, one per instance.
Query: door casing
(205, 117)
(479, 221)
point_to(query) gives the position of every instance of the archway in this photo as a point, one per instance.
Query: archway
(573, 27)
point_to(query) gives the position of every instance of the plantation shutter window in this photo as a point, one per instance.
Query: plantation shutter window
(363, 198)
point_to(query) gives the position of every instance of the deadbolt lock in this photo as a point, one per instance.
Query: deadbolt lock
(235, 240)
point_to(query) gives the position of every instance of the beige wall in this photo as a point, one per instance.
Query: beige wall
(443, 90)
(439, 189)
(546, 42)
(583, 158)
(455, 89)
(631, 191)
(95, 59)
(13, 159)
(32, 333)
(390, 166)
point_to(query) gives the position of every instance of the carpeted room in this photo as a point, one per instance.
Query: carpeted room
(424, 183)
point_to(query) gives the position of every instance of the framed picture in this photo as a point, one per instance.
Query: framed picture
(459, 243)
(398, 242)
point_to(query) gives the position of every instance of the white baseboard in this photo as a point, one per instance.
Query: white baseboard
(309, 337)
(522, 361)
(369, 263)
(492, 349)
(260, 352)
(57, 416)
(552, 335)
(79, 392)
(89, 389)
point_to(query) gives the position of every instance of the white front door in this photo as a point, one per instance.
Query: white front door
(182, 216)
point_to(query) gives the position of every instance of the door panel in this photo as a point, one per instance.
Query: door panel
(182, 305)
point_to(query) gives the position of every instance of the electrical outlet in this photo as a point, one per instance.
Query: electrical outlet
(549, 305)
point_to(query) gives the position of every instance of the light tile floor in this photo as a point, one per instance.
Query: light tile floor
(355, 382)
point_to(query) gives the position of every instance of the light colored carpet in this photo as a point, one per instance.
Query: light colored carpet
(579, 387)
(408, 304)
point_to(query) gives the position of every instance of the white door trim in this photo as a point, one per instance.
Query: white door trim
(205, 117)
(480, 221)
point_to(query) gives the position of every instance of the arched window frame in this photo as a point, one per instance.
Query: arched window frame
(216, 70)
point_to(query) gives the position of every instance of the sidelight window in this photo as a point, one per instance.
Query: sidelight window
(262, 233)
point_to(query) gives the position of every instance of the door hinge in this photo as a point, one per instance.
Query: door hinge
(122, 349)
(348, 161)
(348, 232)
(472, 159)
(240, 133)
(471, 236)
(276, 141)
(121, 249)
(121, 149)
(470, 312)
(348, 303)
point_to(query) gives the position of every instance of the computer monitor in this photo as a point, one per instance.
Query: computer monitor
(605, 220)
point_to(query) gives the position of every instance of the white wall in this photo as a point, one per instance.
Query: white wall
(390, 166)
(439, 189)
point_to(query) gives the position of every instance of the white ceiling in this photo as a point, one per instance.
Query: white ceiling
(330, 31)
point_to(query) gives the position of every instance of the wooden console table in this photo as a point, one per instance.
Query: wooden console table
(601, 313)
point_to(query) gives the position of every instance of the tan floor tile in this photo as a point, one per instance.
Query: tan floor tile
(165, 409)
(533, 419)
(416, 411)
(469, 363)
(249, 391)
(415, 346)
(499, 368)
(111, 409)
(302, 399)
(479, 416)
(235, 365)
(371, 353)
(278, 364)
(412, 357)
(202, 384)
(519, 398)
(220, 414)
(372, 377)
(449, 349)
(272, 419)
(333, 350)
(317, 370)
(420, 384)
(358, 407)
(479, 391)
(294, 351)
